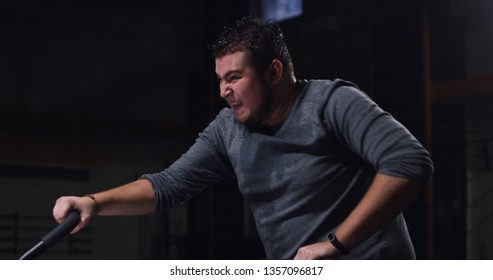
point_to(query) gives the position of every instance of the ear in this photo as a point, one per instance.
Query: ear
(275, 71)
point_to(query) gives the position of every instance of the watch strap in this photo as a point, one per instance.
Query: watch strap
(337, 244)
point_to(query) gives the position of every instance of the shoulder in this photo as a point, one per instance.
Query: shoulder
(223, 124)
(317, 90)
(225, 118)
(331, 95)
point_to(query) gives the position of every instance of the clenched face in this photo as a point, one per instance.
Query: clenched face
(246, 91)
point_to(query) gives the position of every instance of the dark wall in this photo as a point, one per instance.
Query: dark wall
(99, 60)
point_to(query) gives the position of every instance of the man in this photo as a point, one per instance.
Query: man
(325, 171)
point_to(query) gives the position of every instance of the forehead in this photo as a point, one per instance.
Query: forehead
(236, 61)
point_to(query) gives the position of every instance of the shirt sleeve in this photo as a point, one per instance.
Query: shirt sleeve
(375, 135)
(201, 166)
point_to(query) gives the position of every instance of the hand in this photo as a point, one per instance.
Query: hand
(65, 204)
(317, 251)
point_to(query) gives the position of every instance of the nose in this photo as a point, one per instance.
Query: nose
(225, 92)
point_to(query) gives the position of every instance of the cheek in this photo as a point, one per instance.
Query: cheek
(251, 99)
(252, 93)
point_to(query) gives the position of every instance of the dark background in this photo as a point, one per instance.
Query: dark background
(84, 82)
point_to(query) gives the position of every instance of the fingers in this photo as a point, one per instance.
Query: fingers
(305, 253)
(62, 206)
(78, 227)
(65, 204)
(316, 251)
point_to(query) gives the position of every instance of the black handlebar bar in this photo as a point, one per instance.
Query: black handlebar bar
(54, 236)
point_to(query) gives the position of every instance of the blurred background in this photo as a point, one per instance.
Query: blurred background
(95, 93)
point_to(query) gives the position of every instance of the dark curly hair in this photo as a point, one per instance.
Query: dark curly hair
(263, 40)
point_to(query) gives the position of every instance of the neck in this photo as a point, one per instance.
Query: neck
(282, 101)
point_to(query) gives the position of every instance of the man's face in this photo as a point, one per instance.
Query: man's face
(246, 92)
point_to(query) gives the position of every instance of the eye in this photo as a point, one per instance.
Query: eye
(229, 78)
(233, 78)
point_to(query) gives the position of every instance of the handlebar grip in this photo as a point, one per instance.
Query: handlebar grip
(54, 236)
(62, 230)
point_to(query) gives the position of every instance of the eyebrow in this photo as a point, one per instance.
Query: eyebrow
(229, 73)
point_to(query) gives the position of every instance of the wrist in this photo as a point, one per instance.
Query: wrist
(95, 208)
(343, 250)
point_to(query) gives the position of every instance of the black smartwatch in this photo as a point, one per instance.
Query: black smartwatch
(337, 244)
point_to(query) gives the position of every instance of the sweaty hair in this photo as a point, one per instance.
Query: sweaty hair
(263, 40)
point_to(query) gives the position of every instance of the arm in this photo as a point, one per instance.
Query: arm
(199, 167)
(135, 198)
(387, 196)
(380, 140)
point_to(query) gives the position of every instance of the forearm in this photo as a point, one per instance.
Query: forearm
(386, 197)
(135, 198)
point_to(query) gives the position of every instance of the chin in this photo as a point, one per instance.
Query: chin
(252, 120)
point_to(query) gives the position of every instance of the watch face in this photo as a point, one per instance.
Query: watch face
(331, 236)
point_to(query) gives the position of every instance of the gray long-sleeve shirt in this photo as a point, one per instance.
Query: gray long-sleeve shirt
(302, 179)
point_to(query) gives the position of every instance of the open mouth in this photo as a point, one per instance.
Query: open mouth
(235, 105)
